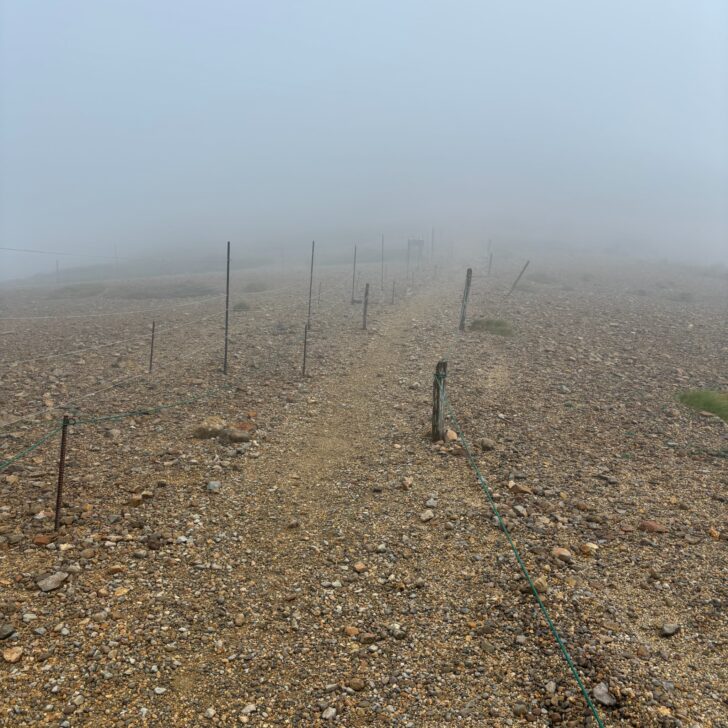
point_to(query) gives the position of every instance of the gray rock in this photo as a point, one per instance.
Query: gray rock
(427, 515)
(234, 435)
(214, 486)
(668, 630)
(602, 695)
(6, 630)
(54, 581)
(329, 713)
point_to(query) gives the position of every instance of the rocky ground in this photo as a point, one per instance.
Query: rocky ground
(295, 551)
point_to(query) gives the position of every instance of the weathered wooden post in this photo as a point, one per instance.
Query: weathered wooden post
(366, 305)
(466, 294)
(515, 283)
(305, 346)
(151, 348)
(227, 309)
(61, 470)
(438, 404)
(353, 280)
(310, 285)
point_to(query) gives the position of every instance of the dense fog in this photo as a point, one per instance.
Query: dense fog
(164, 129)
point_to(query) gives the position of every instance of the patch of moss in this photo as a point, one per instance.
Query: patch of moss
(706, 400)
(492, 326)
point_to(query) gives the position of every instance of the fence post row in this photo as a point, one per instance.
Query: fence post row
(438, 405)
(466, 294)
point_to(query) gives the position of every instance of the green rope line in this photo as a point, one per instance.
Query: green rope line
(521, 564)
(7, 463)
(148, 410)
(105, 418)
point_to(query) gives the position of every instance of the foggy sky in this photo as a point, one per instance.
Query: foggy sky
(183, 124)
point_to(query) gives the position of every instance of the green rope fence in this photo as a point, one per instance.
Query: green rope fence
(143, 411)
(516, 553)
(5, 464)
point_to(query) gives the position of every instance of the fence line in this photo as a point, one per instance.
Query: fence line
(140, 337)
(440, 383)
(111, 385)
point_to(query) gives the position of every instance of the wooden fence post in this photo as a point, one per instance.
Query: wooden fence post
(151, 348)
(366, 306)
(438, 405)
(515, 283)
(466, 294)
(61, 471)
(305, 347)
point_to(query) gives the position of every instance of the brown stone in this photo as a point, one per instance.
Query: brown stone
(650, 526)
(12, 654)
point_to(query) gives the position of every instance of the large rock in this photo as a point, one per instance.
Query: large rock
(650, 526)
(234, 434)
(54, 581)
(602, 695)
(12, 654)
(209, 427)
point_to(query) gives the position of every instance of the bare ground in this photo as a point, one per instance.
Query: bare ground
(309, 590)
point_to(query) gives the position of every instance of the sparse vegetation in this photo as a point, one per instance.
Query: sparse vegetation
(241, 306)
(492, 326)
(255, 287)
(706, 400)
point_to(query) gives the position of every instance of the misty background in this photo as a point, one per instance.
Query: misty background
(166, 128)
